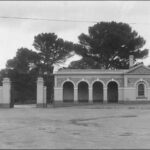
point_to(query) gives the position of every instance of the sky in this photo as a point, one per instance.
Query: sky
(15, 34)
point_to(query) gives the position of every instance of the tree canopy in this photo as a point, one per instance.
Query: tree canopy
(23, 60)
(52, 50)
(108, 45)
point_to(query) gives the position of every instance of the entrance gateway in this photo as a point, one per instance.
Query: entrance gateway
(103, 86)
(7, 93)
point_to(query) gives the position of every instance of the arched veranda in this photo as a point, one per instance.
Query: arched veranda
(112, 92)
(97, 92)
(68, 92)
(83, 92)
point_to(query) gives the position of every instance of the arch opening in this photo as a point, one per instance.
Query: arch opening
(83, 92)
(112, 92)
(141, 90)
(98, 92)
(68, 92)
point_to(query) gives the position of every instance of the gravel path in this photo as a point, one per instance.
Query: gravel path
(116, 126)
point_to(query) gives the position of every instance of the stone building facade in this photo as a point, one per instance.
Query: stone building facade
(104, 86)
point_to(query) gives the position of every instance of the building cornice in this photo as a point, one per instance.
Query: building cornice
(88, 72)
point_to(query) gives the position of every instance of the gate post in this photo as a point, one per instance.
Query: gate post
(40, 92)
(6, 96)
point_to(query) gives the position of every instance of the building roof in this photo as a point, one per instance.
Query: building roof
(139, 69)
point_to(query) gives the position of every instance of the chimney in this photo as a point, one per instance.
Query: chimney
(131, 61)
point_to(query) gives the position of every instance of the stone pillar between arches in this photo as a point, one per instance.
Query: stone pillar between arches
(75, 95)
(105, 94)
(90, 95)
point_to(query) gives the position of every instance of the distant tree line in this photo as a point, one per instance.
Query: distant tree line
(107, 45)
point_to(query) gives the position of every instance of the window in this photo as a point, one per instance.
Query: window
(141, 90)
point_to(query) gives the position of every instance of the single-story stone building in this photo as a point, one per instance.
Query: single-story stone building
(99, 85)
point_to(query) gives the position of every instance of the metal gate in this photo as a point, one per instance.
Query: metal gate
(22, 94)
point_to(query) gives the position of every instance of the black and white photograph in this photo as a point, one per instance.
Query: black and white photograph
(74, 74)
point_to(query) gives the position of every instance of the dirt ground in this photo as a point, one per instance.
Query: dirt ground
(109, 126)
